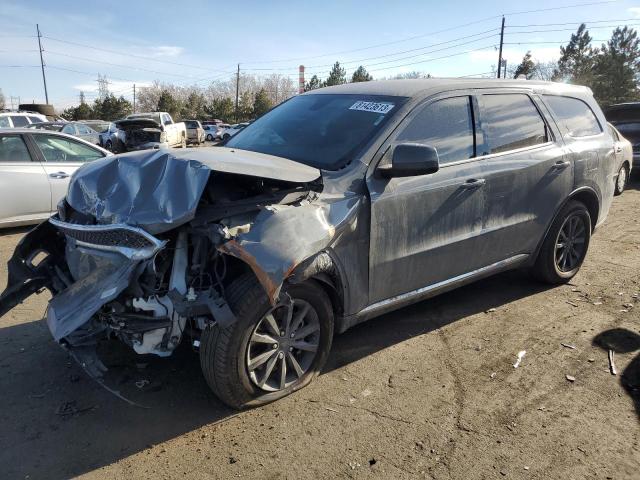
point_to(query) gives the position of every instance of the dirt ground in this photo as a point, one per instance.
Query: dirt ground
(426, 392)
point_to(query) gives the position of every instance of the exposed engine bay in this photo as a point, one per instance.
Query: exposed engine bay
(144, 245)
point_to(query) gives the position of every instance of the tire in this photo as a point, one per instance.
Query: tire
(551, 267)
(226, 136)
(109, 146)
(210, 138)
(183, 144)
(621, 180)
(225, 353)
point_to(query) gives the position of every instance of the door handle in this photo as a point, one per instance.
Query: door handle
(473, 183)
(618, 149)
(59, 175)
(561, 165)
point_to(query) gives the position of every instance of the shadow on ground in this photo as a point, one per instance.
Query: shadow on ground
(621, 340)
(58, 423)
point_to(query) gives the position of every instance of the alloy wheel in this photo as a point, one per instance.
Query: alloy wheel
(283, 345)
(571, 243)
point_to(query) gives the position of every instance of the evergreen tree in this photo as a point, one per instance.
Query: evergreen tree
(168, 103)
(111, 108)
(527, 67)
(245, 107)
(576, 59)
(222, 108)
(312, 84)
(261, 103)
(2, 100)
(337, 76)
(361, 75)
(617, 68)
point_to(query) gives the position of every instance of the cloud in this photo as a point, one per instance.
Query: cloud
(635, 11)
(166, 51)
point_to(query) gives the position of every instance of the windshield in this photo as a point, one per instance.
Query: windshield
(100, 127)
(322, 130)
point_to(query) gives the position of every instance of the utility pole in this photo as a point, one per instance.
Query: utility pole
(44, 79)
(504, 75)
(134, 98)
(501, 42)
(237, 90)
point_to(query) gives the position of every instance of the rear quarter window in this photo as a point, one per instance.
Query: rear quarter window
(19, 120)
(511, 121)
(574, 116)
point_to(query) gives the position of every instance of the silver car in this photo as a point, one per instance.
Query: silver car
(624, 158)
(35, 167)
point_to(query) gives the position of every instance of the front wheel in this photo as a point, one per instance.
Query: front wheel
(565, 246)
(209, 138)
(621, 181)
(270, 351)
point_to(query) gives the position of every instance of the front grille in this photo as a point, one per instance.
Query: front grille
(130, 241)
(115, 237)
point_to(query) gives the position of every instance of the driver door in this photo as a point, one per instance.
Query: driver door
(61, 157)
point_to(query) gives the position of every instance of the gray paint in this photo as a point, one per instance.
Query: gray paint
(393, 241)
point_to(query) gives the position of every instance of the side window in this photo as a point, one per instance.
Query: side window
(58, 149)
(446, 125)
(511, 121)
(13, 149)
(166, 120)
(34, 120)
(69, 129)
(575, 117)
(4, 122)
(19, 120)
(82, 130)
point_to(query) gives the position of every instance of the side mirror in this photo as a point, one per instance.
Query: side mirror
(411, 159)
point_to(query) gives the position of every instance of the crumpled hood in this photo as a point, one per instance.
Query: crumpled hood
(159, 190)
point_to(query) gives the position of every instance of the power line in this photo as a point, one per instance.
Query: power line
(129, 67)
(586, 22)
(133, 55)
(571, 29)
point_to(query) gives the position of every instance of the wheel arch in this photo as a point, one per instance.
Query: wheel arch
(585, 195)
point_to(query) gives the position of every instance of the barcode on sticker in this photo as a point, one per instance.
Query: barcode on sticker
(374, 107)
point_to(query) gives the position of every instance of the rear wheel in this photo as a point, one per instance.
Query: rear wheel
(210, 138)
(269, 352)
(621, 181)
(226, 136)
(565, 246)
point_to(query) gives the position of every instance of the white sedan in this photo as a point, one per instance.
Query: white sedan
(35, 167)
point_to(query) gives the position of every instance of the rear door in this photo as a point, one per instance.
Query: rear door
(527, 171)
(25, 194)
(61, 157)
(425, 229)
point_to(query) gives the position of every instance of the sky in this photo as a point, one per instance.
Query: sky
(198, 41)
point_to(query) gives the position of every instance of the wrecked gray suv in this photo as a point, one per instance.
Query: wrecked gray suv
(337, 206)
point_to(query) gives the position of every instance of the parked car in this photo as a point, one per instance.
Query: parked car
(337, 206)
(152, 130)
(111, 137)
(195, 132)
(77, 129)
(626, 118)
(20, 119)
(35, 167)
(624, 159)
(212, 133)
(231, 130)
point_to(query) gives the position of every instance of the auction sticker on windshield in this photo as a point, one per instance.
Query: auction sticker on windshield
(374, 107)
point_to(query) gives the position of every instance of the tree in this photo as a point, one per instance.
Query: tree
(411, 75)
(194, 107)
(577, 59)
(337, 76)
(617, 68)
(222, 108)
(245, 107)
(81, 112)
(168, 103)
(111, 107)
(527, 67)
(2, 100)
(261, 103)
(312, 84)
(361, 75)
